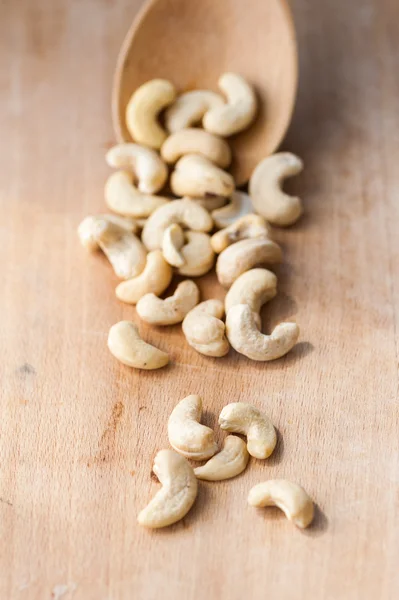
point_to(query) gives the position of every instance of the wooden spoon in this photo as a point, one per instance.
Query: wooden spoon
(193, 42)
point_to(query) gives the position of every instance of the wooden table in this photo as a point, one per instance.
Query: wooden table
(78, 431)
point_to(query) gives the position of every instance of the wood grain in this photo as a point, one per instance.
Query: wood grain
(78, 431)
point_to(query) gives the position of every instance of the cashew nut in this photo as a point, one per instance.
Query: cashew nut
(123, 197)
(250, 226)
(265, 189)
(172, 310)
(196, 141)
(239, 205)
(239, 417)
(238, 113)
(155, 278)
(255, 288)
(123, 249)
(196, 176)
(92, 226)
(229, 462)
(197, 254)
(245, 255)
(177, 495)
(185, 212)
(189, 108)
(145, 163)
(185, 432)
(245, 337)
(205, 331)
(125, 343)
(143, 109)
(172, 243)
(211, 203)
(290, 497)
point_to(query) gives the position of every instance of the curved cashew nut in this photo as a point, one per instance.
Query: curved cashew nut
(123, 197)
(196, 176)
(290, 497)
(211, 204)
(172, 310)
(143, 109)
(172, 243)
(146, 164)
(205, 331)
(229, 462)
(155, 278)
(185, 212)
(254, 288)
(243, 418)
(245, 255)
(92, 226)
(239, 205)
(238, 113)
(186, 434)
(245, 337)
(196, 141)
(249, 226)
(265, 189)
(123, 249)
(189, 108)
(125, 343)
(197, 254)
(177, 495)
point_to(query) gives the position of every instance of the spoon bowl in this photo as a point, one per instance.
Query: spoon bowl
(192, 43)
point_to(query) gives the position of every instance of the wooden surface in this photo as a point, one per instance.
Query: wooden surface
(78, 431)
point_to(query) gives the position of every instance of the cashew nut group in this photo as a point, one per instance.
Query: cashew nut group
(177, 495)
(125, 343)
(249, 226)
(239, 206)
(204, 329)
(155, 278)
(189, 108)
(145, 163)
(265, 189)
(172, 310)
(197, 176)
(143, 109)
(244, 255)
(123, 197)
(254, 288)
(229, 462)
(290, 497)
(186, 434)
(196, 141)
(239, 417)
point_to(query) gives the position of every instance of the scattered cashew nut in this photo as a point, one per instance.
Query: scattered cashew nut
(185, 212)
(290, 497)
(172, 243)
(238, 113)
(91, 227)
(239, 205)
(245, 255)
(239, 417)
(189, 108)
(197, 176)
(229, 462)
(125, 343)
(245, 337)
(265, 189)
(123, 197)
(196, 141)
(143, 109)
(249, 226)
(145, 163)
(155, 278)
(254, 288)
(172, 310)
(177, 495)
(197, 254)
(211, 203)
(186, 434)
(205, 331)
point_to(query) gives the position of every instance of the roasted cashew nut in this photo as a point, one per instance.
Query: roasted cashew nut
(123, 249)
(196, 141)
(254, 288)
(239, 206)
(239, 417)
(172, 243)
(238, 113)
(265, 189)
(189, 108)
(229, 462)
(196, 176)
(125, 343)
(145, 163)
(290, 497)
(177, 495)
(123, 197)
(155, 278)
(91, 227)
(143, 109)
(245, 337)
(249, 226)
(197, 254)
(205, 331)
(186, 434)
(245, 255)
(172, 310)
(185, 212)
